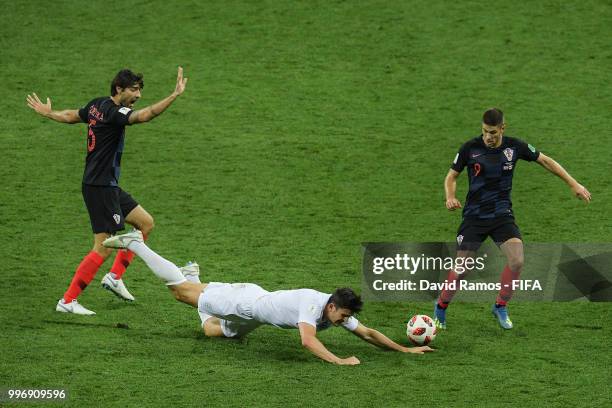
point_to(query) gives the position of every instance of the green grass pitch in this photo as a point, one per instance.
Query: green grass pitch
(306, 129)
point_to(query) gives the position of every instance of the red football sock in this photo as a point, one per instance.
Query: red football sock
(84, 275)
(122, 261)
(447, 294)
(505, 293)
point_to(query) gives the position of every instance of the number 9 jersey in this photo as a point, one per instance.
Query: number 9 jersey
(490, 172)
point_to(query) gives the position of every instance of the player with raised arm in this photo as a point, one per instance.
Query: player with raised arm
(490, 160)
(234, 310)
(108, 205)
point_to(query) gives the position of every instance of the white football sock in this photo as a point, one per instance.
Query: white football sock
(162, 268)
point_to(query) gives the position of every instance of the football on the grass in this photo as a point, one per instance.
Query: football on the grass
(421, 330)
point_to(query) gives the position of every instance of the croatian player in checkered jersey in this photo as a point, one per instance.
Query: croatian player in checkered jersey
(490, 160)
(108, 205)
(234, 310)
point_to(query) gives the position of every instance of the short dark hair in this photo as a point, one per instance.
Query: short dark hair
(345, 298)
(124, 79)
(493, 117)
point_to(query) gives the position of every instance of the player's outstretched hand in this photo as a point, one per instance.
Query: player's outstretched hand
(180, 82)
(581, 192)
(41, 108)
(418, 350)
(349, 361)
(452, 204)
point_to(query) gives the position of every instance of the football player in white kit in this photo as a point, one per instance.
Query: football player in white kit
(235, 309)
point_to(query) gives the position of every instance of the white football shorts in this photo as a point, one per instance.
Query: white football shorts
(232, 303)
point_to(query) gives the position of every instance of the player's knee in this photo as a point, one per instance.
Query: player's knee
(208, 330)
(147, 225)
(516, 263)
(212, 328)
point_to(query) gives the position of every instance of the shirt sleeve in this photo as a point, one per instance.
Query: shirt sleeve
(526, 151)
(83, 113)
(461, 159)
(119, 115)
(309, 310)
(351, 324)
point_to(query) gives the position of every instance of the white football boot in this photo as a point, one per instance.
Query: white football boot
(73, 307)
(191, 272)
(123, 240)
(117, 287)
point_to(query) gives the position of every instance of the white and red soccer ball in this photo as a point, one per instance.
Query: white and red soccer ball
(421, 330)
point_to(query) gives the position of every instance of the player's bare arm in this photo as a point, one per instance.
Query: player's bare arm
(308, 333)
(44, 109)
(555, 168)
(150, 112)
(450, 188)
(378, 339)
